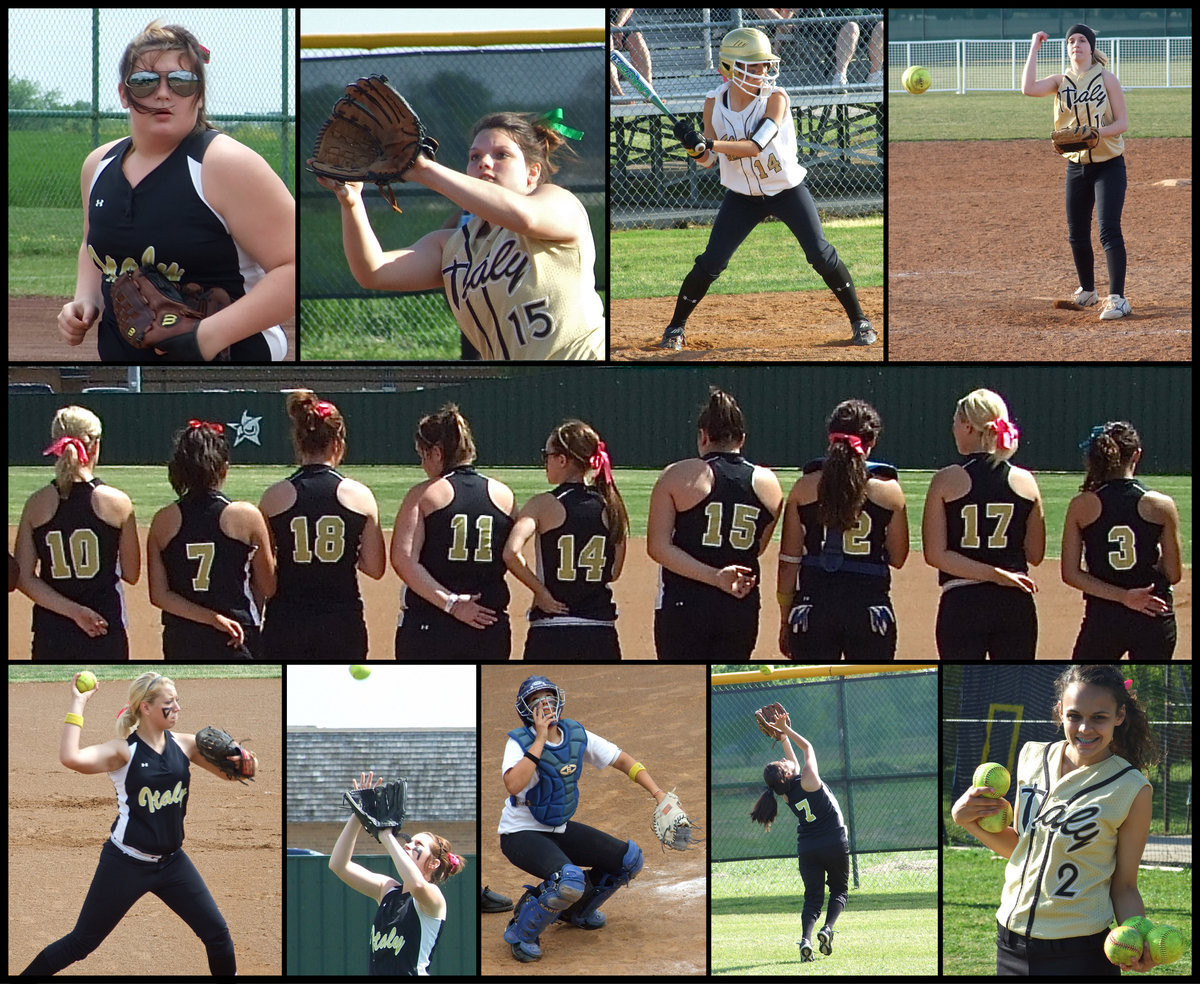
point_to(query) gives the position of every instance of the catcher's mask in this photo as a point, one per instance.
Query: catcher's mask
(531, 686)
(742, 48)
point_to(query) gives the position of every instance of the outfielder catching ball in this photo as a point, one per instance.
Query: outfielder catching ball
(149, 767)
(1089, 120)
(822, 843)
(518, 270)
(1081, 823)
(750, 131)
(412, 908)
(188, 246)
(543, 763)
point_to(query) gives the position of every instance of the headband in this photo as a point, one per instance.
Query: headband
(852, 439)
(218, 429)
(1086, 31)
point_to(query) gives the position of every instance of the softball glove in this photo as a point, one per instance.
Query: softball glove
(379, 807)
(671, 825)
(765, 718)
(1072, 139)
(154, 313)
(226, 754)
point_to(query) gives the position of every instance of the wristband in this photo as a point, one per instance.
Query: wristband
(784, 598)
(533, 758)
(789, 559)
(73, 718)
(633, 773)
(453, 600)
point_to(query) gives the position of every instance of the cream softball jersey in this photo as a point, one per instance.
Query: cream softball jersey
(1084, 99)
(776, 167)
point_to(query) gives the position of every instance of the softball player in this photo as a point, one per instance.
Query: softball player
(149, 766)
(412, 909)
(844, 526)
(983, 526)
(519, 273)
(543, 763)
(76, 542)
(1087, 93)
(822, 843)
(1081, 823)
(749, 129)
(324, 527)
(581, 530)
(1129, 537)
(448, 548)
(209, 558)
(180, 195)
(710, 518)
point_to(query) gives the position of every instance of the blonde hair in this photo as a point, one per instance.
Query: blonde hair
(144, 688)
(985, 410)
(80, 423)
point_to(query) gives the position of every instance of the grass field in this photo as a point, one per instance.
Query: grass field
(890, 921)
(45, 673)
(148, 487)
(971, 882)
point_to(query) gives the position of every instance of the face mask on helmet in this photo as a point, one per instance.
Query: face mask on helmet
(539, 690)
(750, 77)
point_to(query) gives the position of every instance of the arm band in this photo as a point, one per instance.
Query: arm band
(767, 130)
(533, 758)
(789, 559)
(74, 719)
(633, 773)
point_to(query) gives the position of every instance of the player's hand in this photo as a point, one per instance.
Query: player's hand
(91, 622)
(470, 612)
(348, 192)
(366, 780)
(736, 580)
(1145, 601)
(231, 627)
(1039, 37)
(82, 698)
(1144, 963)
(973, 806)
(546, 602)
(75, 319)
(543, 717)
(1015, 579)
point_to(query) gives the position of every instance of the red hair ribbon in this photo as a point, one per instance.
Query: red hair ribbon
(215, 428)
(323, 409)
(600, 462)
(58, 446)
(207, 55)
(1006, 433)
(852, 439)
(455, 861)
(1128, 684)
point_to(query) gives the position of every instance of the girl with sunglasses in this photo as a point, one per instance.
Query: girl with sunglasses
(182, 197)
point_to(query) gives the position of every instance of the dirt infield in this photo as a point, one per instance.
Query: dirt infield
(914, 595)
(803, 326)
(58, 821)
(978, 253)
(658, 924)
(33, 333)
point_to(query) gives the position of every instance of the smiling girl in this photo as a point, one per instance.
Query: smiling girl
(519, 270)
(1081, 823)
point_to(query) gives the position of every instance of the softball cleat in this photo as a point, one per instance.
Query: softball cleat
(672, 339)
(1085, 298)
(806, 954)
(1115, 307)
(864, 334)
(825, 940)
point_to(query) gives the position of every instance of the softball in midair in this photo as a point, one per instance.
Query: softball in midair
(916, 80)
(766, 669)
(993, 775)
(1123, 945)
(360, 672)
(85, 681)
(1166, 944)
(998, 821)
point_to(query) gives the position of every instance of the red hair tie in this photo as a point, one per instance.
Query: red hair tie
(852, 439)
(324, 409)
(1006, 433)
(215, 428)
(454, 860)
(58, 447)
(600, 462)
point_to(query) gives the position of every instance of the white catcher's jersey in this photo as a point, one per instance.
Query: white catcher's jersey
(776, 168)
(516, 297)
(1057, 881)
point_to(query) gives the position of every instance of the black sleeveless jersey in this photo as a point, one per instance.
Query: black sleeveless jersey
(402, 939)
(988, 523)
(1121, 547)
(152, 797)
(575, 560)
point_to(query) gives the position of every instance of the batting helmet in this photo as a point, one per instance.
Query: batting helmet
(741, 48)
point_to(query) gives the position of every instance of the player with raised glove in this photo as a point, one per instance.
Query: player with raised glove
(822, 842)
(154, 313)
(379, 807)
(234, 761)
(372, 134)
(766, 718)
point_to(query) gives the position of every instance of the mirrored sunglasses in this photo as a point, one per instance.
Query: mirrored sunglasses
(146, 83)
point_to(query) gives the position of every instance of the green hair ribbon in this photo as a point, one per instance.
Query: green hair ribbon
(554, 120)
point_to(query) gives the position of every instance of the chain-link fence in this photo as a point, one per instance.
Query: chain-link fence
(62, 103)
(831, 64)
(450, 88)
(875, 738)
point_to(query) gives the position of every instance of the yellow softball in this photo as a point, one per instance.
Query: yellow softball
(916, 80)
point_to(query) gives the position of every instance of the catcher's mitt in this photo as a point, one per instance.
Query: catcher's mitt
(152, 312)
(379, 807)
(226, 754)
(766, 717)
(671, 825)
(373, 134)
(1071, 139)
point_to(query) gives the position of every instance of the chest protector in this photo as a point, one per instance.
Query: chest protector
(554, 798)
